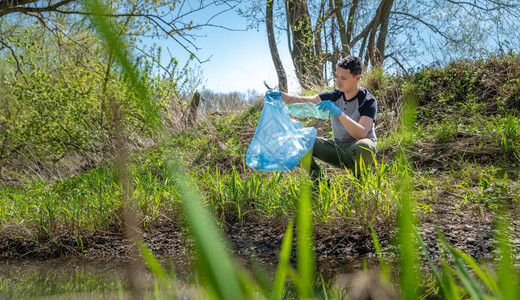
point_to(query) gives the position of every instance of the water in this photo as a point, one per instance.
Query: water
(83, 278)
(80, 278)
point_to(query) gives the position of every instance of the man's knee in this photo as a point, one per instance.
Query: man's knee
(366, 150)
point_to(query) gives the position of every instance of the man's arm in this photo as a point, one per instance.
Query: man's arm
(357, 130)
(289, 98)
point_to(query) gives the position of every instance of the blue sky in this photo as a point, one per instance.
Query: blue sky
(238, 60)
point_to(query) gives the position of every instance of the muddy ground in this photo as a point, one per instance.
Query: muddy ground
(467, 228)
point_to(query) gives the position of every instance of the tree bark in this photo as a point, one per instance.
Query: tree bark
(304, 58)
(338, 4)
(318, 50)
(191, 118)
(383, 31)
(380, 21)
(280, 71)
(350, 26)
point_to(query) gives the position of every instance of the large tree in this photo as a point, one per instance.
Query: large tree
(394, 34)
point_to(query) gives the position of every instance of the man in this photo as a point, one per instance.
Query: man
(353, 111)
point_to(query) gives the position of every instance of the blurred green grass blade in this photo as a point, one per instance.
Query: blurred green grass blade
(487, 278)
(407, 244)
(283, 263)
(507, 273)
(408, 261)
(214, 264)
(251, 287)
(449, 285)
(260, 285)
(446, 287)
(98, 12)
(463, 273)
(151, 261)
(160, 276)
(385, 268)
(305, 244)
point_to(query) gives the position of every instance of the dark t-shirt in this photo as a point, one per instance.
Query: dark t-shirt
(363, 104)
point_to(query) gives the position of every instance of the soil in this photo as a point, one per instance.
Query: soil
(467, 228)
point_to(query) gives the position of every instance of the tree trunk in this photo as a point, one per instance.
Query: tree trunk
(303, 55)
(350, 26)
(318, 50)
(345, 50)
(191, 118)
(280, 72)
(382, 14)
(383, 31)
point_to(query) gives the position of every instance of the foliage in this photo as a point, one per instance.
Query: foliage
(60, 111)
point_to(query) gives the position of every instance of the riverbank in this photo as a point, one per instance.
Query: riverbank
(467, 228)
(463, 161)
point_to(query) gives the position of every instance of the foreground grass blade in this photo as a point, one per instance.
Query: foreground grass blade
(151, 261)
(160, 276)
(385, 267)
(283, 263)
(407, 244)
(215, 266)
(305, 244)
(463, 273)
(446, 286)
(486, 277)
(450, 287)
(507, 273)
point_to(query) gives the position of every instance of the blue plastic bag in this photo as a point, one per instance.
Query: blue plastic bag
(279, 142)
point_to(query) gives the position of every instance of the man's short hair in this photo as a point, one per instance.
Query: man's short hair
(351, 63)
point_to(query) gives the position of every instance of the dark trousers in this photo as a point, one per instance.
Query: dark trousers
(342, 154)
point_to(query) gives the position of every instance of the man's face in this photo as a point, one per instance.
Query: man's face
(345, 80)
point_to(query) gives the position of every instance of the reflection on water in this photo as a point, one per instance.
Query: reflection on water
(82, 277)
(79, 278)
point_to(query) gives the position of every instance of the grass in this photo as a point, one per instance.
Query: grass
(93, 200)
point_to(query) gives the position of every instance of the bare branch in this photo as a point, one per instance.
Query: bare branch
(167, 23)
(362, 35)
(26, 10)
(430, 26)
(499, 5)
(397, 62)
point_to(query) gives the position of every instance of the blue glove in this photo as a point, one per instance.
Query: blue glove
(327, 105)
(273, 94)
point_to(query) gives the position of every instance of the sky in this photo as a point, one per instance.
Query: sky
(239, 60)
